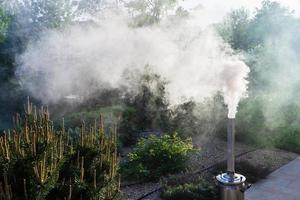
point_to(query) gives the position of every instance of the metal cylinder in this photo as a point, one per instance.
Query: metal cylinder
(231, 185)
(231, 189)
(230, 146)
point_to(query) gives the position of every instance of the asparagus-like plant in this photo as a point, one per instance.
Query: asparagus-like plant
(37, 162)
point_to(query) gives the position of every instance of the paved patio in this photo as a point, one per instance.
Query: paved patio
(282, 184)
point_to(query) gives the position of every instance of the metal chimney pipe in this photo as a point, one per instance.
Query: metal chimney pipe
(231, 185)
(230, 146)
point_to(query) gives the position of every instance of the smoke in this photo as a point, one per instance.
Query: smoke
(82, 59)
(282, 80)
(235, 85)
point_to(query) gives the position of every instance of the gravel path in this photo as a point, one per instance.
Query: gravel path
(136, 191)
(212, 150)
(269, 158)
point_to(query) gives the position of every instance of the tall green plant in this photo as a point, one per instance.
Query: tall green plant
(40, 163)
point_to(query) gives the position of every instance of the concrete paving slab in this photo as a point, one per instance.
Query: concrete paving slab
(282, 184)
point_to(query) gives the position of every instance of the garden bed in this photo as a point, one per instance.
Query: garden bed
(255, 165)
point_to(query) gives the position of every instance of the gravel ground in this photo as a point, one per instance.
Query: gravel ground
(136, 191)
(154, 196)
(213, 150)
(269, 158)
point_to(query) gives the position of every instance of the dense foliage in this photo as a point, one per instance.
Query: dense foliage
(191, 192)
(189, 187)
(149, 12)
(40, 163)
(147, 107)
(268, 40)
(4, 21)
(155, 156)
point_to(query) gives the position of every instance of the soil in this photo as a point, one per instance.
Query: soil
(254, 165)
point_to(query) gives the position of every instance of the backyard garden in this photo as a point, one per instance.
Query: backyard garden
(131, 99)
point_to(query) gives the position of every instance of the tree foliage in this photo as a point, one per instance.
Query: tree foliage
(235, 29)
(148, 12)
(4, 21)
(147, 107)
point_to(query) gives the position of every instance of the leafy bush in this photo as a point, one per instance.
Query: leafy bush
(251, 123)
(189, 186)
(288, 139)
(157, 156)
(188, 191)
(287, 131)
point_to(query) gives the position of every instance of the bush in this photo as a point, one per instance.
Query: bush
(128, 126)
(287, 131)
(288, 139)
(250, 122)
(189, 186)
(157, 156)
(195, 118)
(201, 191)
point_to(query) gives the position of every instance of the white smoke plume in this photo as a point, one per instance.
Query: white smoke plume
(235, 85)
(81, 59)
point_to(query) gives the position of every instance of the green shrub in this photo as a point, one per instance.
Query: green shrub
(287, 131)
(288, 139)
(251, 123)
(157, 156)
(195, 118)
(201, 191)
(128, 126)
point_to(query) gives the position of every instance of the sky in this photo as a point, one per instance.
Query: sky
(215, 10)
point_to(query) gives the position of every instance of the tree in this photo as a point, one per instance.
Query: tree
(24, 21)
(4, 21)
(147, 107)
(148, 12)
(235, 28)
(270, 21)
(271, 51)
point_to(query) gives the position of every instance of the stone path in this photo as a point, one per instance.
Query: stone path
(282, 184)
